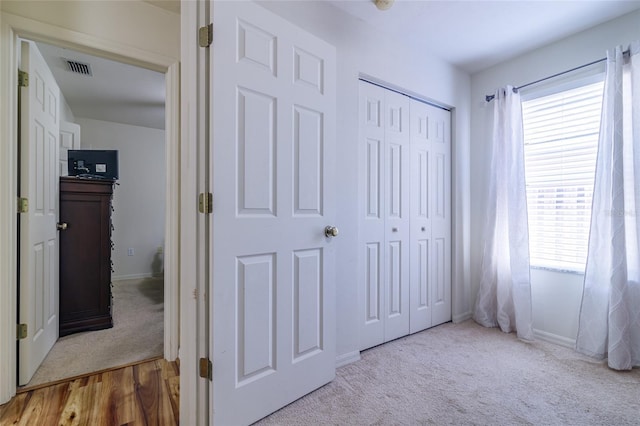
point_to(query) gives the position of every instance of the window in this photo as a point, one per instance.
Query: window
(560, 147)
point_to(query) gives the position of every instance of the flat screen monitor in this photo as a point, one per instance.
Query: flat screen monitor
(93, 163)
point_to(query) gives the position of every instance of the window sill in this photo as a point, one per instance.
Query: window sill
(558, 270)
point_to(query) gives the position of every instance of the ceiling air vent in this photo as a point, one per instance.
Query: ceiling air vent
(78, 67)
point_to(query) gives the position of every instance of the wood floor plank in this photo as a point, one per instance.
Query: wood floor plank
(144, 394)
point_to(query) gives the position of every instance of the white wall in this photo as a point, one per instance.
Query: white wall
(131, 23)
(139, 199)
(360, 49)
(556, 296)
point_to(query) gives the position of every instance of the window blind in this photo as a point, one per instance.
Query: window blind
(560, 147)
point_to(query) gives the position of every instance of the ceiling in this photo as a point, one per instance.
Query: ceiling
(115, 91)
(472, 35)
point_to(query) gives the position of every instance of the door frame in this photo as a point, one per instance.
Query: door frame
(13, 27)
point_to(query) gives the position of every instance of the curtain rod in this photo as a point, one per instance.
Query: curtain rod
(489, 98)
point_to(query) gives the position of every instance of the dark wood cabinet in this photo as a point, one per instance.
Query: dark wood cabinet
(85, 255)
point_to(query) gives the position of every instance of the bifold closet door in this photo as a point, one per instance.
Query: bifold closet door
(430, 239)
(384, 244)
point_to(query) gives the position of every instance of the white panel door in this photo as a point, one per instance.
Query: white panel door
(421, 243)
(69, 139)
(396, 215)
(372, 294)
(273, 309)
(39, 133)
(384, 215)
(430, 216)
(441, 216)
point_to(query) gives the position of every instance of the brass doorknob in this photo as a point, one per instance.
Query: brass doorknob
(330, 231)
(61, 226)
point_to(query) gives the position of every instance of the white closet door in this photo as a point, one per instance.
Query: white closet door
(396, 215)
(430, 216)
(69, 139)
(441, 216)
(421, 243)
(372, 225)
(384, 154)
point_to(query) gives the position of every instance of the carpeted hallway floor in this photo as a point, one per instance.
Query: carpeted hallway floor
(465, 374)
(137, 334)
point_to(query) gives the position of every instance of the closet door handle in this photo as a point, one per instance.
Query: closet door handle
(62, 226)
(330, 231)
(394, 229)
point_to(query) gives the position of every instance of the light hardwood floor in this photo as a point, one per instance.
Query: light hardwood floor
(146, 393)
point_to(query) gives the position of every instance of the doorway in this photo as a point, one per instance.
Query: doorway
(119, 107)
(110, 43)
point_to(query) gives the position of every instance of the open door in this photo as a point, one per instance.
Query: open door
(38, 288)
(273, 310)
(69, 139)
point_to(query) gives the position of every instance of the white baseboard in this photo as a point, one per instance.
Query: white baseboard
(131, 276)
(462, 317)
(347, 358)
(554, 338)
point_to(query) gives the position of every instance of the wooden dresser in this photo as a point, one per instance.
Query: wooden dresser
(85, 255)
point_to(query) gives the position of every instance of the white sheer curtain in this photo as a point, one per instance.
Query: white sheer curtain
(610, 313)
(504, 297)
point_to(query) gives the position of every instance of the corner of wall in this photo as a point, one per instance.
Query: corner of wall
(347, 358)
(462, 317)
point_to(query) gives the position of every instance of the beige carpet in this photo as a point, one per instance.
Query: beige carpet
(465, 374)
(137, 334)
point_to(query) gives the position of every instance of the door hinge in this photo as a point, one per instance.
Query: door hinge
(21, 331)
(205, 203)
(23, 79)
(23, 205)
(206, 368)
(205, 35)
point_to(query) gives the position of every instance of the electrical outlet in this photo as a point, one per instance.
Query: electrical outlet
(130, 251)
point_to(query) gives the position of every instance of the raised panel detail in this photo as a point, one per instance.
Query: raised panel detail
(423, 127)
(52, 105)
(440, 136)
(51, 193)
(308, 287)
(395, 277)
(394, 115)
(256, 316)
(256, 47)
(373, 112)
(440, 185)
(39, 287)
(39, 92)
(40, 156)
(395, 180)
(308, 146)
(439, 275)
(50, 295)
(67, 141)
(308, 70)
(423, 183)
(423, 273)
(372, 282)
(373, 179)
(256, 138)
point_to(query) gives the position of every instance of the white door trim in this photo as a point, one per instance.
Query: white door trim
(194, 402)
(11, 28)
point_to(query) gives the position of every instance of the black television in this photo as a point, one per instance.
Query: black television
(93, 163)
